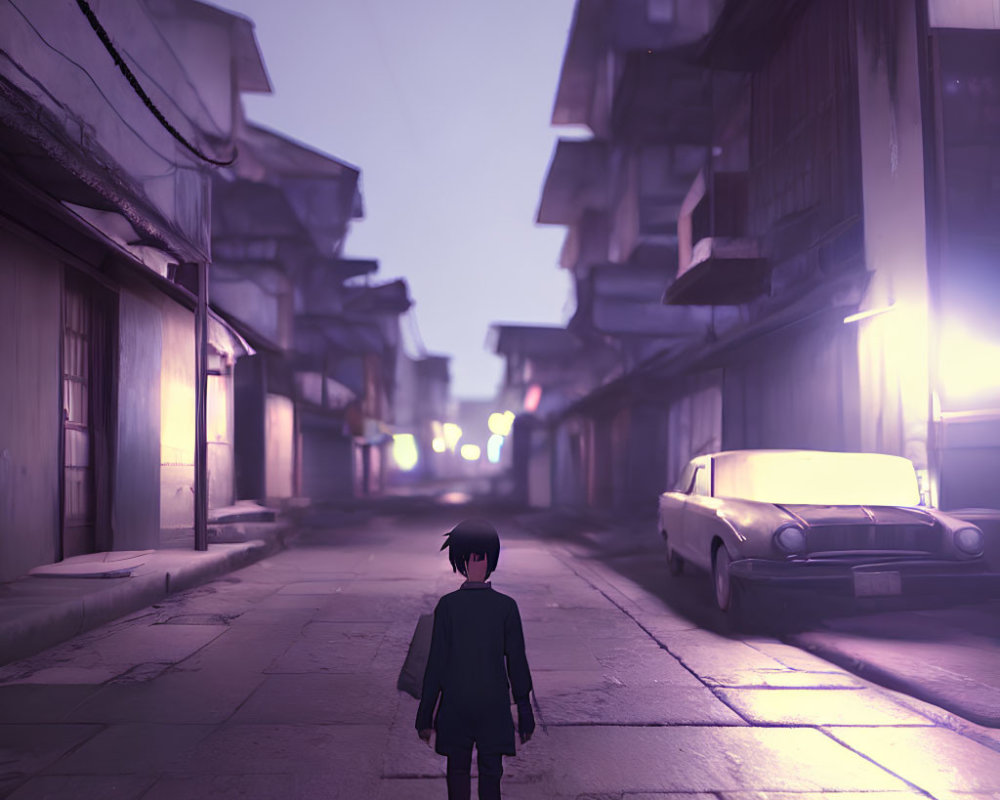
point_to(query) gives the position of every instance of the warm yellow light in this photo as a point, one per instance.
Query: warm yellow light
(470, 452)
(872, 312)
(176, 421)
(438, 445)
(499, 422)
(965, 363)
(404, 451)
(452, 433)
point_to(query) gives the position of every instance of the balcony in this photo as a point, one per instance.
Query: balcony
(624, 301)
(601, 28)
(718, 263)
(661, 99)
(586, 242)
(655, 181)
(577, 181)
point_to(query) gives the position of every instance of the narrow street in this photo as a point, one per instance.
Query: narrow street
(279, 680)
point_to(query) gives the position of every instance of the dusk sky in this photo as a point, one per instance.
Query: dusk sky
(445, 107)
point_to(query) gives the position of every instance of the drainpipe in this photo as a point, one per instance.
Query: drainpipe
(201, 412)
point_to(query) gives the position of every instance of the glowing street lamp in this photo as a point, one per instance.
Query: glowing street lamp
(869, 313)
(965, 365)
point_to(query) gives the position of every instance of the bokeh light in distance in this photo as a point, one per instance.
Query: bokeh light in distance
(532, 398)
(455, 498)
(438, 445)
(470, 452)
(493, 448)
(499, 422)
(404, 451)
(452, 433)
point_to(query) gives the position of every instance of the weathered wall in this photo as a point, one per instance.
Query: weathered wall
(30, 297)
(568, 472)
(177, 413)
(893, 346)
(327, 458)
(794, 389)
(257, 294)
(695, 422)
(540, 471)
(219, 430)
(279, 445)
(644, 468)
(136, 504)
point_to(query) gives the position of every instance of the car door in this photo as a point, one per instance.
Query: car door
(691, 528)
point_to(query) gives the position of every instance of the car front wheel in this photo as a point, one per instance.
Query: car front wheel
(721, 579)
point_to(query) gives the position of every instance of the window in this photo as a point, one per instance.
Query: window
(686, 480)
(703, 480)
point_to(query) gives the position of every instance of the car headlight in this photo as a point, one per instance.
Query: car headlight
(969, 540)
(791, 539)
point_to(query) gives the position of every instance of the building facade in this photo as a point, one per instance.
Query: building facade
(817, 175)
(123, 184)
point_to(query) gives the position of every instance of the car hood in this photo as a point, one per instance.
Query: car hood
(859, 515)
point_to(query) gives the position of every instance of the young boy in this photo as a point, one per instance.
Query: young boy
(476, 629)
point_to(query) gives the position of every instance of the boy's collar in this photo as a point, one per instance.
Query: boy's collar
(476, 585)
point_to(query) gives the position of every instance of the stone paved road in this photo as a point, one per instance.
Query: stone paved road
(279, 681)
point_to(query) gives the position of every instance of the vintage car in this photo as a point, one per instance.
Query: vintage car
(849, 522)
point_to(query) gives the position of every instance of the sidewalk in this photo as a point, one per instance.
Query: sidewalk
(59, 601)
(949, 657)
(945, 656)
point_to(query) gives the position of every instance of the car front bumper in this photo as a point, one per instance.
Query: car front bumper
(869, 578)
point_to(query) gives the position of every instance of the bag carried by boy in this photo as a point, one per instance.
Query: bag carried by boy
(411, 676)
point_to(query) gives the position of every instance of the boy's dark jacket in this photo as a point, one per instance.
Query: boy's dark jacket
(476, 645)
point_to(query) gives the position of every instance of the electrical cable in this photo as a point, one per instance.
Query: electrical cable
(102, 34)
(56, 101)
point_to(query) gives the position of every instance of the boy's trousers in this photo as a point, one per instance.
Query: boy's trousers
(459, 775)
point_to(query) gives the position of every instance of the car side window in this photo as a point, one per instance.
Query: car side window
(703, 481)
(686, 481)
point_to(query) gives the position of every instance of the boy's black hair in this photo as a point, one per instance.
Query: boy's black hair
(474, 535)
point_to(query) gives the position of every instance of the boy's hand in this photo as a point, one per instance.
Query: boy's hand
(525, 721)
(425, 734)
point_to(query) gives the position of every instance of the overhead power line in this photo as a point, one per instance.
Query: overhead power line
(102, 34)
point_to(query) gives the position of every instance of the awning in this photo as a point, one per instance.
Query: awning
(532, 340)
(723, 271)
(626, 300)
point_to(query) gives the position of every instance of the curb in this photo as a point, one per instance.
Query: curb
(46, 620)
(983, 712)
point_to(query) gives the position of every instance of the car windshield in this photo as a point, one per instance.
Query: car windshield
(817, 478)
